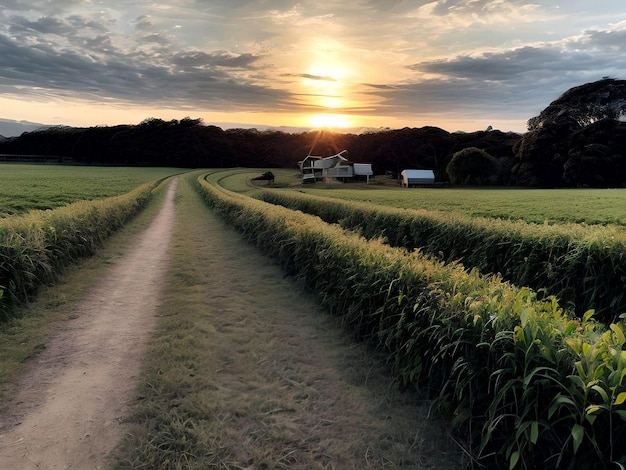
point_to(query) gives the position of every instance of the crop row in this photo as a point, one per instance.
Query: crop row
(584, 266)
(526, 384)
(35, 247)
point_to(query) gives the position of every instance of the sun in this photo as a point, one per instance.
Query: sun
(326, 120)
(324, 77)
(327, 83)
(326, 86)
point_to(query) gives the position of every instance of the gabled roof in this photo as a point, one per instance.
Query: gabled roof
(418, 173)
(337, 156)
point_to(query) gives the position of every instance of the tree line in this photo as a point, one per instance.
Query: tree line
(578, 140)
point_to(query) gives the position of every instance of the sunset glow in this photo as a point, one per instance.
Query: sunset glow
(332, 121)
(457, 64)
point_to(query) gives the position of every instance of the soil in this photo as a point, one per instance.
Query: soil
(68, 405)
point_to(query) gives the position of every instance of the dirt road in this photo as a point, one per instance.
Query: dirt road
(67, 412)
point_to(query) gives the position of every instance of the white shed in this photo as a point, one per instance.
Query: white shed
(417, 177)
(363, 169)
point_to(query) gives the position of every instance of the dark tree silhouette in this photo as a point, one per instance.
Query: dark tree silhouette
(556, 149)
(585, 104)
(189, 143)
(473, 166)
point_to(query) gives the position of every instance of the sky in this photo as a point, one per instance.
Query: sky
(360, 64)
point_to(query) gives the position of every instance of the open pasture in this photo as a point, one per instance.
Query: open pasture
(590, 206)
(38, 187)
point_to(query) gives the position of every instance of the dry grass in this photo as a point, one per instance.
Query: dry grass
(246, 372)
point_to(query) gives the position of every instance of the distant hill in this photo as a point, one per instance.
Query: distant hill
(12, 128)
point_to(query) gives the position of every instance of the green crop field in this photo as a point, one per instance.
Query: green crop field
(528, 379)
(36, 187)
(591, 206)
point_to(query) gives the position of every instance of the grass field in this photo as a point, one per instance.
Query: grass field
(591, 206)
(37, 187)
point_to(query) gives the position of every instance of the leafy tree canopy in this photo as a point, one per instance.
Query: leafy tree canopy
(585, 104)
(473, 166)
(561, 145)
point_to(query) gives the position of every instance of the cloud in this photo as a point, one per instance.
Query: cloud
(403, 56)
(190, 78)
(143, 23)
(512, 65)
(517, 81)
(310, 76)
(610, 40)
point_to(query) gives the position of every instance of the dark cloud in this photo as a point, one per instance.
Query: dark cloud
(77, 56)
(512, 65)
(309, 76)
(72, 28)
(445, 7)
(46, 25)
(143, 23)
(611, 40)
(198, 59)
(45, 8)
(156, 38)
(517, 82)
(185, 79)
(464, 100)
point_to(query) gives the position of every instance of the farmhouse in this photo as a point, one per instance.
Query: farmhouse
(417, 177)
(314, 168)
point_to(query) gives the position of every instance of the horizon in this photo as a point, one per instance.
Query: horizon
(10, 128)
(460, 65)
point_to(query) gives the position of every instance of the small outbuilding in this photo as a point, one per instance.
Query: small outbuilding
(363, 170)
(417, 178)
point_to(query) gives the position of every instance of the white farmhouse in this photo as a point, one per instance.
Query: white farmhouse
(314, 168)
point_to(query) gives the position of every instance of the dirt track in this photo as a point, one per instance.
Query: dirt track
(70, 401)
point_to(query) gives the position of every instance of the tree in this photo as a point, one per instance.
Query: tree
(473, 166)
(565, 129)
(585, 104)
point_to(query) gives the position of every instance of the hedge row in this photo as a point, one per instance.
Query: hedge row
(35, 247)
(527, 385)
(584, 266)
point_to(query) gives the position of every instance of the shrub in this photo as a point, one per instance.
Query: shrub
(473, 166)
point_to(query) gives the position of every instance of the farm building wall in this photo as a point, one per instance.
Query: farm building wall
(417, 177)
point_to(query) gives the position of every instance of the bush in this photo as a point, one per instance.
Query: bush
(473, 166)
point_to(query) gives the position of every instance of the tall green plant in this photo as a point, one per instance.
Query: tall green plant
(500, 359)
(581, 265)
